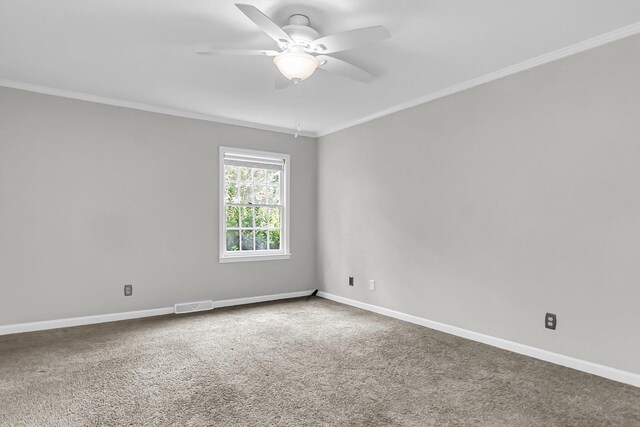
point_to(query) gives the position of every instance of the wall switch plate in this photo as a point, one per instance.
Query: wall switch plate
(128, 290)
(550, 321)
(350, 280)
(372, 285)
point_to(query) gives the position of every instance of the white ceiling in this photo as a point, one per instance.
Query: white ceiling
(142, 51)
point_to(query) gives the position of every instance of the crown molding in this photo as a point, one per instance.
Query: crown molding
(573, 49)
(145, 107)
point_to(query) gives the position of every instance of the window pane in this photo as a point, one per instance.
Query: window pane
(245, 174)
(261, 240)
(274, 239)
(231, 192)
(273, 176)
(245, 193)
(230, 173)
(260, 193)
(259, 175)
(262, 218)
(233, 240)
(274, 218)
(247, 217)
(247, 240)
(253, 200)
(273, 195)
(232, 216)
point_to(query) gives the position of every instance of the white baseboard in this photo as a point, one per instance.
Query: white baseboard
(79, 321)
(548, 356)
(263, 298)
(112, 317)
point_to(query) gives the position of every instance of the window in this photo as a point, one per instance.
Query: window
(254, 214)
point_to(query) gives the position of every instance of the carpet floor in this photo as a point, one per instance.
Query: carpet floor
(290, 363)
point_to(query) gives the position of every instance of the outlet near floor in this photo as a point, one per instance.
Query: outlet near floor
(550, 321)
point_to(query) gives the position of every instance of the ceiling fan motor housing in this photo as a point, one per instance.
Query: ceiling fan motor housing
(300, 31)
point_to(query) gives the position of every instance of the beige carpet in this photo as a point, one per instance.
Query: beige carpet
(297, 363)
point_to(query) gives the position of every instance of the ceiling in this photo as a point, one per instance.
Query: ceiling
(142, 52)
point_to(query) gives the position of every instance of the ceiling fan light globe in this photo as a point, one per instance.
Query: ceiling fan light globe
(296, 64)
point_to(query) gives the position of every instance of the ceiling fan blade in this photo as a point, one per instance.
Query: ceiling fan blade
(349, 39)
(265, 23)
(282, 82)
(338, 66)
(239, 52)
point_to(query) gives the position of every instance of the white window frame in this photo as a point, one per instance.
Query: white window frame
(243, 256)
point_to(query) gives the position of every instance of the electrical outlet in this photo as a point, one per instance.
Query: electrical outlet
(372, 285)
(128, 290)
(350, 280)
(550, 321)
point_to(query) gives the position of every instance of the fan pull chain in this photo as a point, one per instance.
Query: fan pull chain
(298, 126)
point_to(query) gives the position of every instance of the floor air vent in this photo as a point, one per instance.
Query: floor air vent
(190, 307)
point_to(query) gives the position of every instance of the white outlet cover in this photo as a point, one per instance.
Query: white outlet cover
(372, 285)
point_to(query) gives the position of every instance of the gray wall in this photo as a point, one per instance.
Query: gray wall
(482, 210)
(93, 197)
(488, 208)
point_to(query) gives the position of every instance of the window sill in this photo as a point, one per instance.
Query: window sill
(250, 258)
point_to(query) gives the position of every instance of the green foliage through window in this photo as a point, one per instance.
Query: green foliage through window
(252, 208)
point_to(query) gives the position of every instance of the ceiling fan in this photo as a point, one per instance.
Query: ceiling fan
(302, 50)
